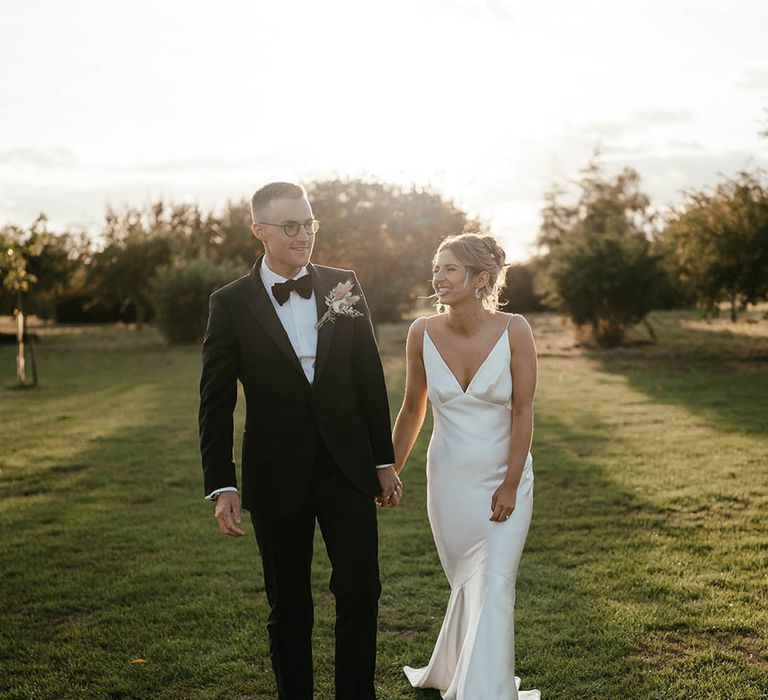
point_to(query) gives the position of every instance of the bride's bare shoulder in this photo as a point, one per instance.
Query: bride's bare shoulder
(421, 323)
(417, 327)
(519, 330)
(513, 319)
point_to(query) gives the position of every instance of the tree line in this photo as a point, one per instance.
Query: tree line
(606, 256)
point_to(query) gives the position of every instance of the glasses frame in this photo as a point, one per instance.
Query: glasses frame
(312, 229)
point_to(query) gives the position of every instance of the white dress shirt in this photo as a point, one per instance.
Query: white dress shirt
(298, 317)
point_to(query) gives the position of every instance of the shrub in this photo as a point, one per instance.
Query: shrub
(519, 295)
(606, 283)
(180, 296)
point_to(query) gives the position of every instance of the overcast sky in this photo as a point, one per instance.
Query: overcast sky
(486, 100)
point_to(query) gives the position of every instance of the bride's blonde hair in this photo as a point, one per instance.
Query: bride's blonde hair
(480, 253)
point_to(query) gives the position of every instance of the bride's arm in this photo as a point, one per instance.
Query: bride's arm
(411, 415)
(524, 371)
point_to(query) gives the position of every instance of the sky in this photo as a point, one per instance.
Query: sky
(487, 101)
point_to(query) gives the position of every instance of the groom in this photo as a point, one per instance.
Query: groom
(317, 442)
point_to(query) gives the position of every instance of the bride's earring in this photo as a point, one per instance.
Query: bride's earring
(477, 293)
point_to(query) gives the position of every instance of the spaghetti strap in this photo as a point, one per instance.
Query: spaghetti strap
(506, 332)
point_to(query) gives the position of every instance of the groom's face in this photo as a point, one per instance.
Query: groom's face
(286, 255)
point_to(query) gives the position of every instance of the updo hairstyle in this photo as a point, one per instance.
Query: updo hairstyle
(479, 252)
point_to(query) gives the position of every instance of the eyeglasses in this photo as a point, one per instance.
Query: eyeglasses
(291, 228)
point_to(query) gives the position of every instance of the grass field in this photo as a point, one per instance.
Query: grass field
(645, 575)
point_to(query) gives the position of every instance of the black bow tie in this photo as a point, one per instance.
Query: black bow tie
(282, 290)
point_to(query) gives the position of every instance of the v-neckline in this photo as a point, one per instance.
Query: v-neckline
(479, 369)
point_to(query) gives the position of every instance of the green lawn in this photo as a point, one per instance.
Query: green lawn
(644, 576)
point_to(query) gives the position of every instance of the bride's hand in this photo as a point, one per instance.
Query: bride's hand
(503, 501)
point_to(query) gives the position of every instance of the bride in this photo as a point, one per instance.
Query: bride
(479, 468)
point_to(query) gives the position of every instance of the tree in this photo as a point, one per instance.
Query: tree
(137, 244)
(606, 283)
(60, 257)
(180, 296)
(233, 238)
(519, 295)
(17, 249)
(387, 234)
(596, 260)
(719, 243)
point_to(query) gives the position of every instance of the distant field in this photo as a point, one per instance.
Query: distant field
(645, 575)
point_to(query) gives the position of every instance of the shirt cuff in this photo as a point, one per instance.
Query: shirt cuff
(212, 495)
(384, 466)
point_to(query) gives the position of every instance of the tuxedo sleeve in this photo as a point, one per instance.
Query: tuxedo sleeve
(218, 395)
(368, 375)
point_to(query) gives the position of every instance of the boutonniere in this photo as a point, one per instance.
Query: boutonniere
(340, 302)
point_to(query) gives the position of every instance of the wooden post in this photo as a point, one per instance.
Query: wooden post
(21, 354)
(21, 370)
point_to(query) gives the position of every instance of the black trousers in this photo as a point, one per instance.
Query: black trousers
(347, 520)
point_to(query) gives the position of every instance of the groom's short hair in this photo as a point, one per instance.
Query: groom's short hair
(273, 190)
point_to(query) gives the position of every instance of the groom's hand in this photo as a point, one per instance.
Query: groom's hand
(227, 514)
(391, 488)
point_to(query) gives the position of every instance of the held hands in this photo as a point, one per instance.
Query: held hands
(503, 501)
(227, 514)
(391, 488)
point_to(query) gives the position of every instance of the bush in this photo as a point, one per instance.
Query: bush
(180, 296)
(519, 295)
(717, 242)
(599, 267)
(606, 283)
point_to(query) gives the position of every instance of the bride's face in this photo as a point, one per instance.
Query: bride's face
(451, 279)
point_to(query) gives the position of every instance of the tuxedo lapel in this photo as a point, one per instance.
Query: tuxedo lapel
(258, 302)
(322, 287)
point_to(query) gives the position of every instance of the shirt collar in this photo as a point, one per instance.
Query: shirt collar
(269, 277)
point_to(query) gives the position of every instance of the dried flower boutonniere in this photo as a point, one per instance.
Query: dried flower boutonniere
(340, 302)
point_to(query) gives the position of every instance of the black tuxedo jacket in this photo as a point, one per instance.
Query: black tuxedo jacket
(346, 405)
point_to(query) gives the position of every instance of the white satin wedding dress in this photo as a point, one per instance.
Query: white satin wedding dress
(474, 656)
